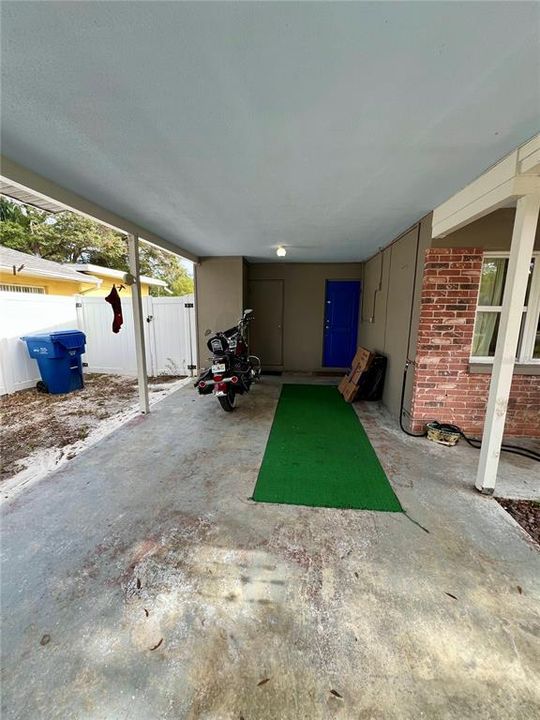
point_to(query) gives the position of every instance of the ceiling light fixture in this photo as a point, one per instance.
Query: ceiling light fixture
(281, 252)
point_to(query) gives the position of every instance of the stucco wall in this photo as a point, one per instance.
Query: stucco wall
(219, 297)
(304, 286)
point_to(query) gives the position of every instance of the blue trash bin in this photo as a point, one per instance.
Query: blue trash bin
(58, 356)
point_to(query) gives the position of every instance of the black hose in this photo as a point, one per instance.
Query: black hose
(476, 443)
(407, 432)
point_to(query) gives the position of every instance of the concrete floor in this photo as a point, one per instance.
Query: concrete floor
(260, 611)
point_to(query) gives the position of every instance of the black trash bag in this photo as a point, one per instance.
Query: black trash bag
(371, 383)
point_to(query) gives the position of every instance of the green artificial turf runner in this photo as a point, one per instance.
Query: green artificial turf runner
(318, 454)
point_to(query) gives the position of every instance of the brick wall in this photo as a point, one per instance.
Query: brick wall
(443, 388)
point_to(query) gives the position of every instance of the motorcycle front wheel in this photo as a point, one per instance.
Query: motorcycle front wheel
(228, 401)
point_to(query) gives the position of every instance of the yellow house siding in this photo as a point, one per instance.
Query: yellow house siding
(52, 286)
(70, 287)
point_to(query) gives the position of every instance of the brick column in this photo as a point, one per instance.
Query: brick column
(445, 333)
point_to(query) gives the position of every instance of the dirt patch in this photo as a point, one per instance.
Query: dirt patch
(526, 513)
(161, 379)
(32, 421)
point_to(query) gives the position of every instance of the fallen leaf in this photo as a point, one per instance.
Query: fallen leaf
(156, 646)
(263, 682)
(45, 639)
(336, 694)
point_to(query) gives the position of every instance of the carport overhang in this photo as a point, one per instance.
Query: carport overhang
(514, 181)
(27, 186)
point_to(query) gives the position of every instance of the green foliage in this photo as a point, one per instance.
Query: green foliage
(70, 238)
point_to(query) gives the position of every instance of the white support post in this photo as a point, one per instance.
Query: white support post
(138, 322)
(521, 251)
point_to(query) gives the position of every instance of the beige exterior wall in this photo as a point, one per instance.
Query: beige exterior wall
(304, 286)
(219, 283)
(390, 304)
(491, 232)
(390, 298)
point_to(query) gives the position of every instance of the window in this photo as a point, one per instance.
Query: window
(488, 311)
(23, 289)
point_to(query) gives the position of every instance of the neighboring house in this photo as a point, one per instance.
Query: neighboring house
(110, 277)
(25, 273)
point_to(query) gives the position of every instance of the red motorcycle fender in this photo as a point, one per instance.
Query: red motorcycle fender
(220, 388)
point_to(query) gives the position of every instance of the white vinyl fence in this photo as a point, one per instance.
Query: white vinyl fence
(169, 330)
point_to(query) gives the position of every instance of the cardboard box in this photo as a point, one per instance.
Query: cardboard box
(350, 392)
(362, 359)
(343, 383)
(348, 386)
(356, 373)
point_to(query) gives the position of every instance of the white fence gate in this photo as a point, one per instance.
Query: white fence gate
(169, 334)
(172, 330)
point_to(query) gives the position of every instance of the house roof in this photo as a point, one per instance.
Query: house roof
(35, 266)
(109, 272)
(28, 197)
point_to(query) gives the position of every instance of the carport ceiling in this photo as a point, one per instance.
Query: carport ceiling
(231, 128)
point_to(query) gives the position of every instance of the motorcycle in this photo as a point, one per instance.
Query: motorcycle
(233, 369)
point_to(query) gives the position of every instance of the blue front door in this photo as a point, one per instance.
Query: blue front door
(340, 322)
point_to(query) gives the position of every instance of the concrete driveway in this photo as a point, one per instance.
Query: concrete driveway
(140, 582)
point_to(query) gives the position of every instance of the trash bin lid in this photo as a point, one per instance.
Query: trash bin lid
(69, 338)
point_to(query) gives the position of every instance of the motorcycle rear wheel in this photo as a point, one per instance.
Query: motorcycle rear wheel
(228, 401)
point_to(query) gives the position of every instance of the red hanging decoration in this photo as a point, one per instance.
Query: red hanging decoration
(114, 299)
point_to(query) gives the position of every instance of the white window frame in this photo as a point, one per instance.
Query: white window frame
(532, 311)
(25, 289)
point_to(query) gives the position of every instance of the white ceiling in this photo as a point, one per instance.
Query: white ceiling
(231, 128)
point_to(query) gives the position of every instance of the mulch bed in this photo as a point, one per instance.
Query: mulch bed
(526, 513)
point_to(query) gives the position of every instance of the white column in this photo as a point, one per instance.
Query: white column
(138, 322)
(505, 354)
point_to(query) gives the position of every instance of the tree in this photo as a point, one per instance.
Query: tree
(70, 238)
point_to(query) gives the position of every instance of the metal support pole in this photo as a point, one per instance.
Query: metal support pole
(521, 251)
(138, 322)
(190, 342)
